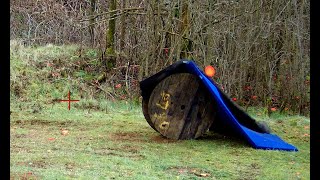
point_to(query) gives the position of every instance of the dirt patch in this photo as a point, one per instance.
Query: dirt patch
(70, 166)
(235, 152)
(130, 149)
(194, 171)
(39, 164)
(160, 139)
(249, 172)
(42, 122)
(19, 136)
(129, 153)
(24, 176)
(124, 148)
(19, 149)
(32, 134)
(35, 164)
(104, 151)
(127, 136)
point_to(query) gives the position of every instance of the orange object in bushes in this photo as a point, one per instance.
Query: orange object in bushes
(209, 71)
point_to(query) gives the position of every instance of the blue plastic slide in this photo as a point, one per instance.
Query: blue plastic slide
(256, 139)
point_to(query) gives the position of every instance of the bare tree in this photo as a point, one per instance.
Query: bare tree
(92, 21)
(260, 48)
(110, 54)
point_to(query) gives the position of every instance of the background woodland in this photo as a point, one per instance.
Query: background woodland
(260, 48)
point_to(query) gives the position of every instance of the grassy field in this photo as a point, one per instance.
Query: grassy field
(104, 139)
(77, 144)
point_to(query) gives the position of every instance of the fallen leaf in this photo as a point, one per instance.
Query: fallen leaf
(201, 174)
(51, 139)
(254, 97)
(182, 171)
(64, 132)
(26, 175)
(204, 174)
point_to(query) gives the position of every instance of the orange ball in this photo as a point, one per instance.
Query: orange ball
(210, 71)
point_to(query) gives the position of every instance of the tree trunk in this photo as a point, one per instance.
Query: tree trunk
(123, 25)
(185, 28)
(91, 21)
(110, 54)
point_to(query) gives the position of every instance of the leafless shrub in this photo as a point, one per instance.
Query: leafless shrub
(259, 48)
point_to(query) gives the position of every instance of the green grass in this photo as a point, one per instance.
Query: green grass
(111, 139)
(120, 144)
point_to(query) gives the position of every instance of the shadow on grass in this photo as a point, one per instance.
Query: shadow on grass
(218, 139)
(223, 139)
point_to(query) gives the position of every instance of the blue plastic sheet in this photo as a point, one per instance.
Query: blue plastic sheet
(256, 139)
